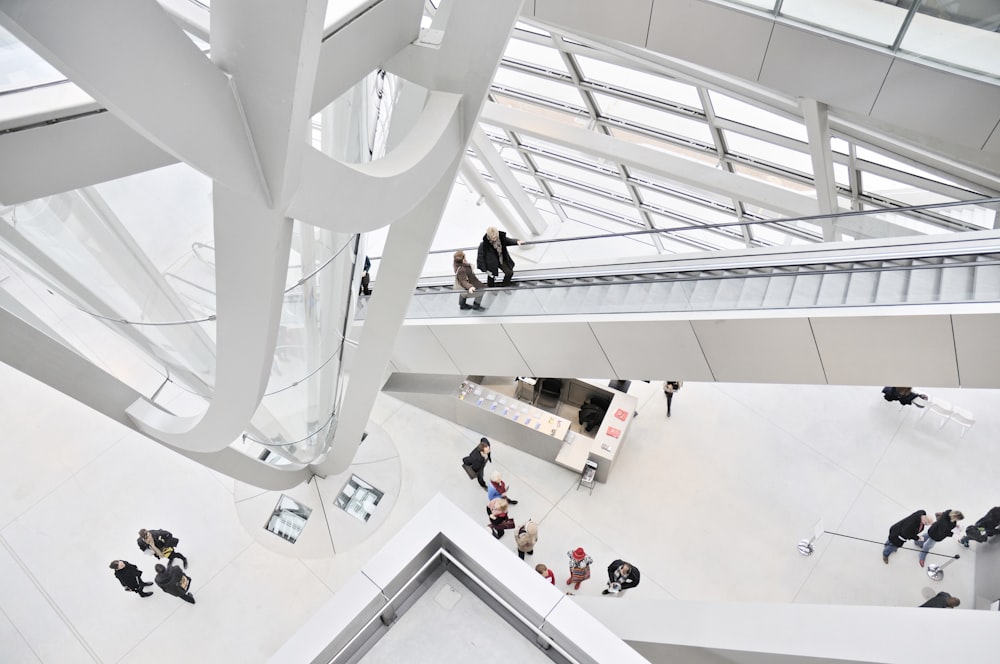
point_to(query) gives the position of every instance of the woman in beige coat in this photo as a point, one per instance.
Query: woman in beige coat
(526, 537)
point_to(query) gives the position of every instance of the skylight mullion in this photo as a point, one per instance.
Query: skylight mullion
(720, 148)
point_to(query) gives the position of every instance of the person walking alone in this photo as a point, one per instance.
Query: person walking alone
(130, 577)
(940, 529)
(173, 581)
(494, 257)
(669, 388)
(579, 567)
(467, 282)
(477, 460)
(905, 529)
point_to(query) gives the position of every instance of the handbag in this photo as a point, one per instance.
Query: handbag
(506, 524)
(469, 470)
(184, 582)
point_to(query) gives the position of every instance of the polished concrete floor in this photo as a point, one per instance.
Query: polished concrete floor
(708, 504)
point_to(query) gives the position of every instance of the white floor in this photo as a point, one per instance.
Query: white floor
(708, 504)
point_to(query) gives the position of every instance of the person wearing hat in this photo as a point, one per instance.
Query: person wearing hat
(579, 567)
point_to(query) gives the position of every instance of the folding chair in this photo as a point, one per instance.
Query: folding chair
(940, 408)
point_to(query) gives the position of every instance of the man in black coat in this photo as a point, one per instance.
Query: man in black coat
(130, 577)
(941, 601)
(985, 528)
(477, 460)
(173, 581)
(621, 577)
(161, 543)
(907, 529)
(493, 256)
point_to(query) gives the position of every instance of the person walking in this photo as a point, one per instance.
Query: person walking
(579, 567)
(173, 581)
(494, 257)
(525, 538)
(496, 510)
(943, 527)
(904, 395)
(467, 282)
(498, 487)
(365, 279)
(546, 573)
(985, 528)
(130, 577)
(905, 529)
(477, 460)
(941, 601)
(669, 388)
(161, 543)
(621, 577)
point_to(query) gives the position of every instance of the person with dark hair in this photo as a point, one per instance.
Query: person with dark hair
(546, 573)
(904, 395)
(130, 577)
(941, 601)
(669, 388)
(621, 577)
(173, 581)
(985, 528)
(365, 279)
(943, 527)
(161, 544)
(467, 283)
(477, 460)
(493, 256)
(905, 529)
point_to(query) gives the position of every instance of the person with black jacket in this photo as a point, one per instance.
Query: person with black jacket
(161, 543)
(906, 529)
(943, 527)
(493, 256)
(904, 395)
(173, 581)
(477, 460)
(985, 528)
(130, 577)
(621, 577)
(365, 279)
(941, 601)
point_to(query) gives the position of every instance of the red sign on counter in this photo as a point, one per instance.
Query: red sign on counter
(621, 414)
(613, 432)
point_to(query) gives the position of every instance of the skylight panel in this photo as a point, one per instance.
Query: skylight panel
(537, 86)
(768, 152)
(738, 111)
(536, 54)
(613, 107)
(641, 82)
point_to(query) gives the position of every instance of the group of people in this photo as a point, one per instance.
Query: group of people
(162, 545)
(621, 575)
(492, 259)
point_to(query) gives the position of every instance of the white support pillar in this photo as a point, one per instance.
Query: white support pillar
(818, 131)
(511, 188)
(478, 183)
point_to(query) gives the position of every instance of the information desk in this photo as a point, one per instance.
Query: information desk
(521, 425)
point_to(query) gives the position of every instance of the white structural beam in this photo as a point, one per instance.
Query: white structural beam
(475, 180)
(511, 188)
(464, 64)
(666, 165)
(361, 197)
(818, 131)
(136, 62)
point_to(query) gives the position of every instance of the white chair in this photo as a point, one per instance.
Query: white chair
(940, 408)
(964, 419)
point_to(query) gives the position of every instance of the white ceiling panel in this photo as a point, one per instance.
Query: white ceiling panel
(993, 144)
(887, 350)
(653, 350)
(710, 35)
(940, 104)
(815, 66)
(417, 350)
(492, 353)
(745, 350)
(978, 354)
(624, 20)
(560, 350)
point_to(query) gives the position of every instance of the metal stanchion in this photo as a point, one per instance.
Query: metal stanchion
(936, 572)
(805, 546)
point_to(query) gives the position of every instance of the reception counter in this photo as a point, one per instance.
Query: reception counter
(521, 425)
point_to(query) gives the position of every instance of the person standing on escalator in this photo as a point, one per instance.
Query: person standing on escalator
(467, 283)
(494, 257)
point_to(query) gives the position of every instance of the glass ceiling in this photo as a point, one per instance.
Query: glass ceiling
(589, 86)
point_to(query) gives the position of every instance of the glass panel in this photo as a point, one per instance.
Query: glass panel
(870, 20)
(21, 68)
(738, 111)
(778, 155)
(533, 53)
(898, 191)
(545, 88)
(842, 175)
(839, 145)
(606, 179)
(641, 82)
(772, 178)
(871, 155)
(962, 33)
(645, 177)
(358, 498)
(578, 119)
(685, 207)
(653, 118)
(705, 157)
(595, 200)
(288, 519)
